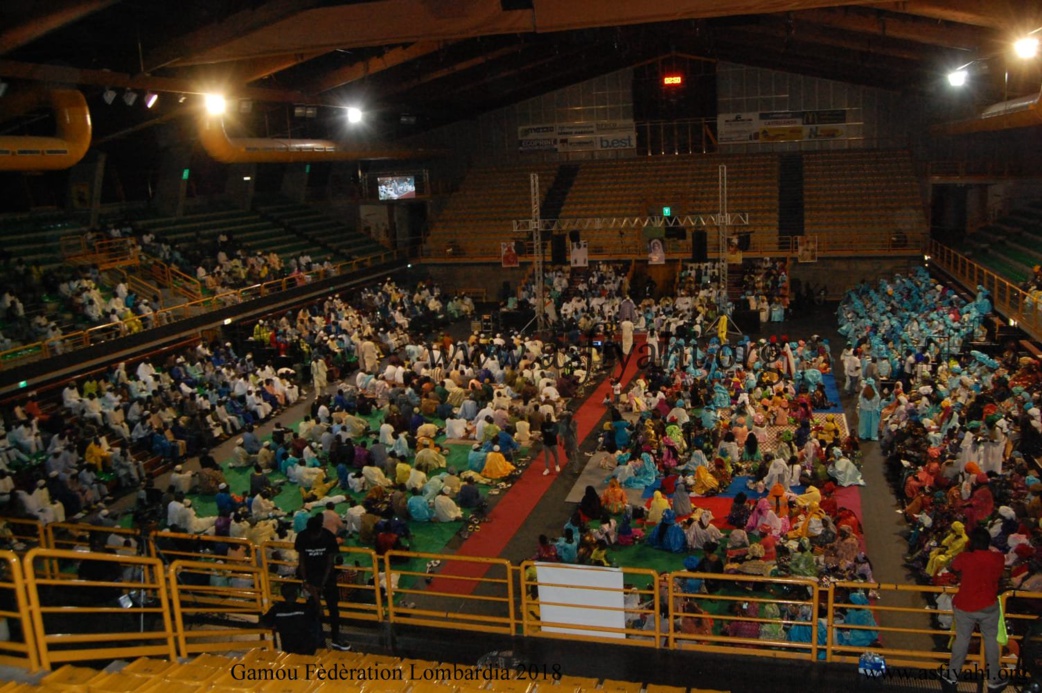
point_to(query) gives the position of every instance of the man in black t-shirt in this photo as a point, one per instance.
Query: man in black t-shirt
(298, 624)
(317, 549)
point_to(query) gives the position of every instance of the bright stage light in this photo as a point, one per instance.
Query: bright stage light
(354, 115)
(1026, 47)
(150, 99)
(215, 104)
(957, 78)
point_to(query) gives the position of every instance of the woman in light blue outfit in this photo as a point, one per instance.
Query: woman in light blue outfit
(644, 473)
(858, 617)
(868, 408)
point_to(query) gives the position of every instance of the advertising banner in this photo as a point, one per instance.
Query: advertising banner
(577, 137)
(781, 126)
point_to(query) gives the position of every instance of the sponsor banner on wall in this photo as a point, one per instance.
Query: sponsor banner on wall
(781, 126)
(577, 137)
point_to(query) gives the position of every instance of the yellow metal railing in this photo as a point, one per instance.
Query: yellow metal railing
(37, 351)
(71, 605)
(18, 648)
(1007, 298)
(691, 611)
(462, 593)
(636, 623)
(26, 534)
(174, 546)
(114, 608)
(105, 253)
(913, 623)
(357, 573)
(226, 601)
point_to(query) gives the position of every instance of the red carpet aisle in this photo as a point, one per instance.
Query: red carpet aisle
(521, 499)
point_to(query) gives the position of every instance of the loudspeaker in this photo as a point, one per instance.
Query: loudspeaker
(573, 236)
(699, 246)
(558, 249)
(744, 239)
(511, 5)
(748, 321)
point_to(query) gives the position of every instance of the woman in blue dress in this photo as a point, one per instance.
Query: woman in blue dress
(868, 408)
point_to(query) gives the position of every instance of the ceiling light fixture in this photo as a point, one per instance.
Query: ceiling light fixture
(957, 78)
(108, 96)
(1026, 47)
(129, 97)
(215, 104)
(150, 99)
(354, 115)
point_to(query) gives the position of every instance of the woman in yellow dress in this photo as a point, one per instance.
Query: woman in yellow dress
(496, 466)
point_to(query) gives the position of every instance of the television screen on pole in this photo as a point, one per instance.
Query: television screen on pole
(396, 187)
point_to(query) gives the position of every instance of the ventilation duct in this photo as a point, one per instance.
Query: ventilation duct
(63, 150)
(1022, 112)
(259, 150)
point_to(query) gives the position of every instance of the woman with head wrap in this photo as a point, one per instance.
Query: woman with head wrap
(951, 546)
(981, 503)
(681, 500)
(614, 498)
(705, 483)
(749, 629)
(1002, 527)
(666, 535)
(590, 506)
(496, 465)
(868, 408)
(841, 554)
(701, 531)
(773, 629)
(844, 471)
(740, 511)
(659, 504)
(866, 632)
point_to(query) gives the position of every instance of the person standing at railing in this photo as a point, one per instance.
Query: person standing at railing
(976, 605)
(318, 549)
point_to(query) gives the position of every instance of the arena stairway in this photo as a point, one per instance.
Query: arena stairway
(313, 225)
(1010, 245)
(248, 230)
(268, 671)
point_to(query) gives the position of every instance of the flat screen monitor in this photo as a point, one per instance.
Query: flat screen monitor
(396, 187)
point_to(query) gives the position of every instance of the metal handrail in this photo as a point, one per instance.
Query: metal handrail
(44, 349)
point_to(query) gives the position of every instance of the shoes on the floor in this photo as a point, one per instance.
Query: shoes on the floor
(947, 685)
(339, 645)
(546, 472)
(557, 469)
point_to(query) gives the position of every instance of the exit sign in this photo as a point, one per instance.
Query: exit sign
(673, 80)
(667, 211)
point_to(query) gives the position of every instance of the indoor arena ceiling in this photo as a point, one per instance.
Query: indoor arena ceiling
(422, 63)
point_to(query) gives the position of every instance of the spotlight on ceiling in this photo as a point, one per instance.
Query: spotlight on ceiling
(957, 78)
(182, 98)
(150, 99)
(129, 97)
(215, 104)
(109, 96)
(354, 115)
(1026, 47)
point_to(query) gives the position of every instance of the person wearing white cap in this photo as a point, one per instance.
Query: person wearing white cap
(445, 509)
(182, 480)
(240, 458)
(193, 524)
(496, 465)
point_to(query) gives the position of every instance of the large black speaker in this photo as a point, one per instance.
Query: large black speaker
(748, 321)
(559, 249)
(699, 247)
(573, 236)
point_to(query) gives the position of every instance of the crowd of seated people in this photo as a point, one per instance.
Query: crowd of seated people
(765, 287)
(960, 430)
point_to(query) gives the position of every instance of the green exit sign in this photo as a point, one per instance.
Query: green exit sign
(184, 174)
(667, 211)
